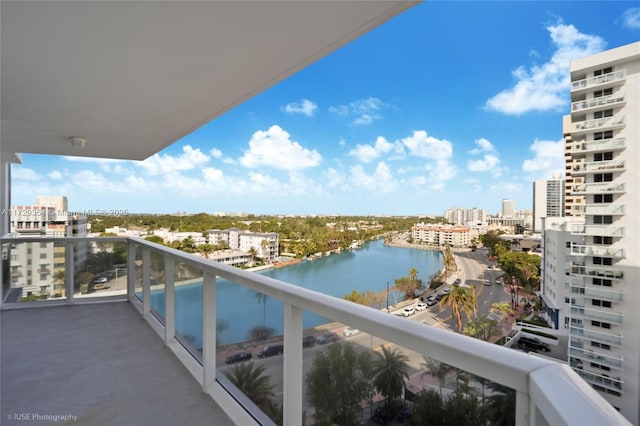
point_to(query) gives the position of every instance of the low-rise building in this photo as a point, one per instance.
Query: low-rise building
(440, 235)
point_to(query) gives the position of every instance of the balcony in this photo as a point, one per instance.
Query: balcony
(601, 251)
(609, 100)
(601, 380)
(597, 293)
(613, 144)
(614, 317)
(600, 358)
(605, 209)
(602, 230)
(588, 83)
(599, 188)
(122, 362)
(609, 338)
(597, 167)
(608, 272)
(598, 124)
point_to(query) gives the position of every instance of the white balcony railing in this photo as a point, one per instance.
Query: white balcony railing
(600, 358)
(608, 272)
(598, 124)
(612, 339)
(597, 81)
(608, 209)
(597, 293)
(542, 386)
(602, 251)
(599, 188)
(614, 384)
(613, 144)
(615, 317)
(609, 100)
(602, 230)
(597, 167)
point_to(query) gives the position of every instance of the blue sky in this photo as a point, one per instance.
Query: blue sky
(449, 104)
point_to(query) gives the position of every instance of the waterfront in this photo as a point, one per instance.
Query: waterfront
(239, 309)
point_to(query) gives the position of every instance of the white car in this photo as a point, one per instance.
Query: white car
(487, 282)
(350, 331)
(408, 311)
(431, 301)
(421, 306)
(446, 290)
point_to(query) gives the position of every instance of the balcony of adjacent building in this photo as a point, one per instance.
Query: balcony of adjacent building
(602, 381)
(610, 272)
(610, 144)
(597, 124)
(597, 250)
(610, 230)
(589, 167)
(588, 355)
(611, 79)
(598, 336)
(597, 314)
(578, 287)
(595, 103)
(102, 351)
(599, 188)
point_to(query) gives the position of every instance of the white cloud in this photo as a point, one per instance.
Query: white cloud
(548, 159)
(55, 175)
(162, 164)
(274, 148)
(631, 18)
(381, 180)
(304, 106)
(365, 111)
(368, 153)
(545, 87)
(440, 173)
(215, 153)
(334, 178)
(21, 173)
(424, 146)
(486, 164)
(483, 146)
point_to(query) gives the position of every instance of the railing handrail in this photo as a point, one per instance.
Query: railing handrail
(536, 378)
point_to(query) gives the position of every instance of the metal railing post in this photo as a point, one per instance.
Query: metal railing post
(293, 374)
(131, 270)
(146, 281)
(169, 298)
(209, 322)
(69, 270)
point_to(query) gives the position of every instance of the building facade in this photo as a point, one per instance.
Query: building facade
(604, 336)
(548, 200)
(508, 208)
(441, 235)
(265, 245)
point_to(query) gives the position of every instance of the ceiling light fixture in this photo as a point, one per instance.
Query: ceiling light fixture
(77, 142)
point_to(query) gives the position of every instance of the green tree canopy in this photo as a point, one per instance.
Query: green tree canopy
(460, 300)
(338, 383)
(390, 370)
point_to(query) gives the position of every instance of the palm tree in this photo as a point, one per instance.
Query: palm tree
(460, 299)
(413, 274)
(436, 368)
(390, 370)
(250, 379)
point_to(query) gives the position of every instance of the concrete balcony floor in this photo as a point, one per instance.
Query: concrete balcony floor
(100, 362)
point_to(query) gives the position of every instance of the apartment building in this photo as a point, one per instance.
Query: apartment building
(440, 235)
(265, 245)
(604, 336)
(38, 268)
(508, 208)
(548, 200)
(462, 216)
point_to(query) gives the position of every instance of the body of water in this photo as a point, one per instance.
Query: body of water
(240, 309)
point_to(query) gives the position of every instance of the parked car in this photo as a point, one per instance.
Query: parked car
(533, 343)
(327, 337)
(446, 290)
(439, 296)
(408, 311)
(421, 306)
(349, 331)
(487, 282)
(431, 301)
(238, 356)
(100, 280)
(100, 287)
(457, 282)
(308, 341)
(271, 349)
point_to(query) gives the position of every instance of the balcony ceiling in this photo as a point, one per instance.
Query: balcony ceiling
(134, 77)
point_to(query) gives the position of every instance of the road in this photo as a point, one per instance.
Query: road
(472, 271)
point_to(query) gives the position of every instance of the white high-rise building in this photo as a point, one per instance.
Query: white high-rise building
(548, 200)
(604, 333)
(508, 208)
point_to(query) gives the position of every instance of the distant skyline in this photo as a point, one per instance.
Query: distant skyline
(450, 104)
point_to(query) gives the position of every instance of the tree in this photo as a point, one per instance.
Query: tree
(413, 274)
(390, 370)
(251, 380)
(262, 298)
(338, 383)
(437, 369)
(501, 405)
(428, 409)
(260, 333)
(460, 299)
(482, 328)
